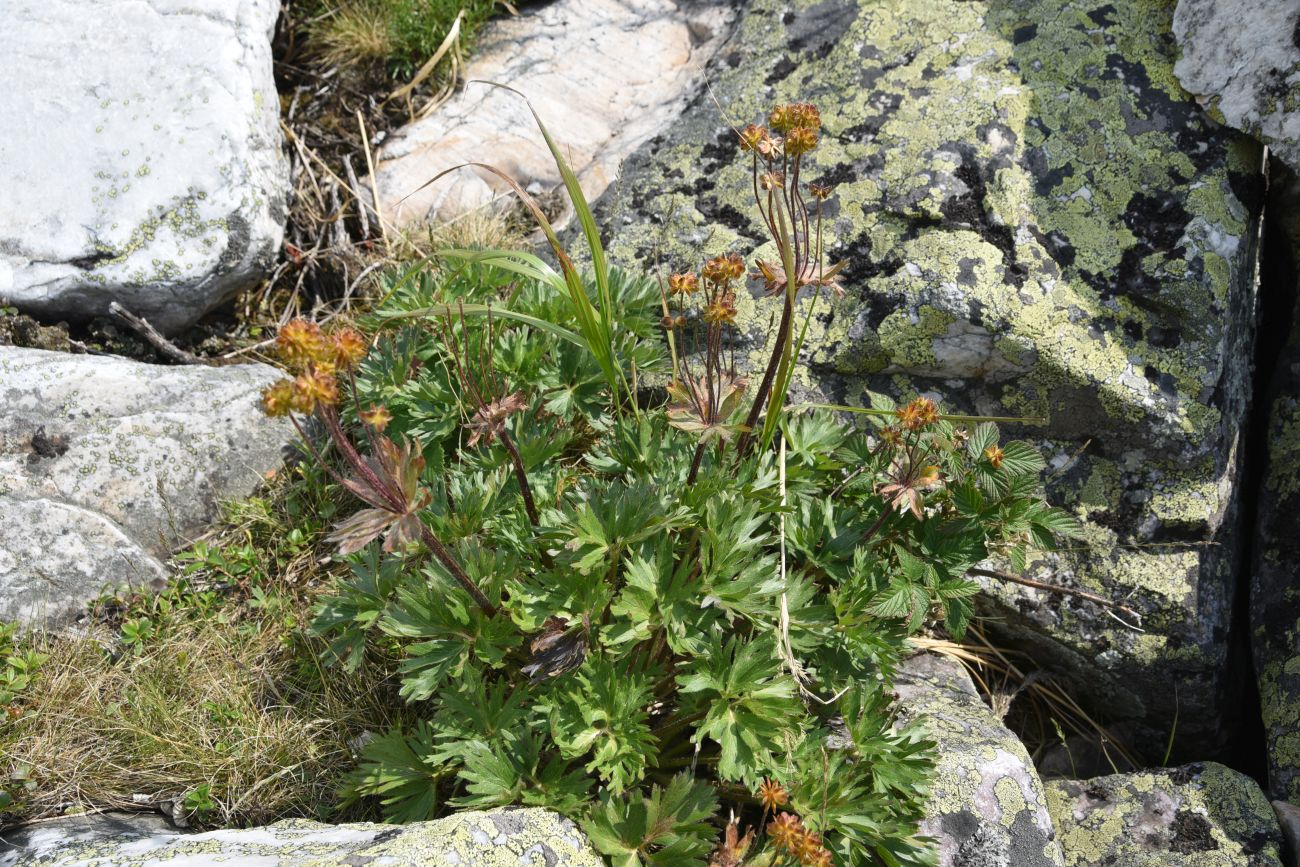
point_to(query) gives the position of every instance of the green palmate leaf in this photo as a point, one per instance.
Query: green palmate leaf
(396, 769)
(668, 828)
(499, 774)
(750, 706)
(347, 618)
(480, 712)
(603, 715)
(452, 631)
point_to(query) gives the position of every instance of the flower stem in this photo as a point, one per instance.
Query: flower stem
(444, 556)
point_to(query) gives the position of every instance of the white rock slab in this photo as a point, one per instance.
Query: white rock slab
(1241, 58)
(107, 465)
(605, 76)
(140, 158)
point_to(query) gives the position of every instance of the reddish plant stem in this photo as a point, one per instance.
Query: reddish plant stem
(695, 465)
(444, 556)
(769, 376)
(529, 506)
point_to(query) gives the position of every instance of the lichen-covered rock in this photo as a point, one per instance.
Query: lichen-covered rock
(497, 838)
(1275, 579)
(1242, 59)
(1039, 222)
(1200, 815)
(986, 805)
(148, 171)
(107, 465)
(605, 76)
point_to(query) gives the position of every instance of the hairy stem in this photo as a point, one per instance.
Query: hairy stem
(444, 556)
(695, 465)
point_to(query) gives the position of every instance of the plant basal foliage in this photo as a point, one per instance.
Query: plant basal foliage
(639, 608)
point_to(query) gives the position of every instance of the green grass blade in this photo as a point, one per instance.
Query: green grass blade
(440, 310)
(599, 262)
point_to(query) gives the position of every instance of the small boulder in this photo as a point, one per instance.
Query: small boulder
(1198, 815)
(605, 76)
(986, 805)
(141, 160)
(1242, 60)
(108, 465)
(496, 838)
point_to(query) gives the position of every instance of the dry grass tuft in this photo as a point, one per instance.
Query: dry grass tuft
(231, 706)
(1050, 711)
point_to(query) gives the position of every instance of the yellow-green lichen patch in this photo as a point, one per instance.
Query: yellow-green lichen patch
(986, 794)
(1037, 222)
(496, 838)
(1203, 815)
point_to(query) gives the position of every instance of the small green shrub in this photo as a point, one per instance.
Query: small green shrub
(640, 608)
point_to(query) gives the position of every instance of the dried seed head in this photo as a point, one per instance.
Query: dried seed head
(771, 181)
(773, 795)
(769, 147)
(820, 192)
(800, 140)
(377, 417)
(278, 399)
(750, 136)
(683, 284)
(781, 118)
(735, 266)
(301, 343)
(717, 270)
(315, 387)
(920, 413)
(349, 348)
(806, 115)
(995, 455)
(786, 832)
(722, 311)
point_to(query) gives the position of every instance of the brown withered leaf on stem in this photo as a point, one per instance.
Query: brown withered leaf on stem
(490, 420)
(395, 504)
(697, 408)
(731, 850)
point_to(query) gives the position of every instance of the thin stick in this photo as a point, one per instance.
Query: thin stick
(374, 182)
(362, 208)
(149, 333)
(1056, 588)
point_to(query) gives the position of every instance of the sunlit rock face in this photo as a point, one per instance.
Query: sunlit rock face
(141, 160)
(1038, 222)
(108, 465)
(1241, 58)
(604, 76)
(491, 838)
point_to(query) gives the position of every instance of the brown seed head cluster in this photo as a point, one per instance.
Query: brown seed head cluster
(995, 455)
(316, 359)
(773, 795)
(683, 284)
(790, 837)
(918, 414)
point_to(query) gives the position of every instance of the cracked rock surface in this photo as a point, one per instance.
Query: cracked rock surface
(1199, 815)
(986, 806)
(604, 75)
(495, 838)
(1039, 222)
(141, 158)
(108, 465)
(1242, 60)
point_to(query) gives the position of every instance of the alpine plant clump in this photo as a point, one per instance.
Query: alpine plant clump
(659, 599)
